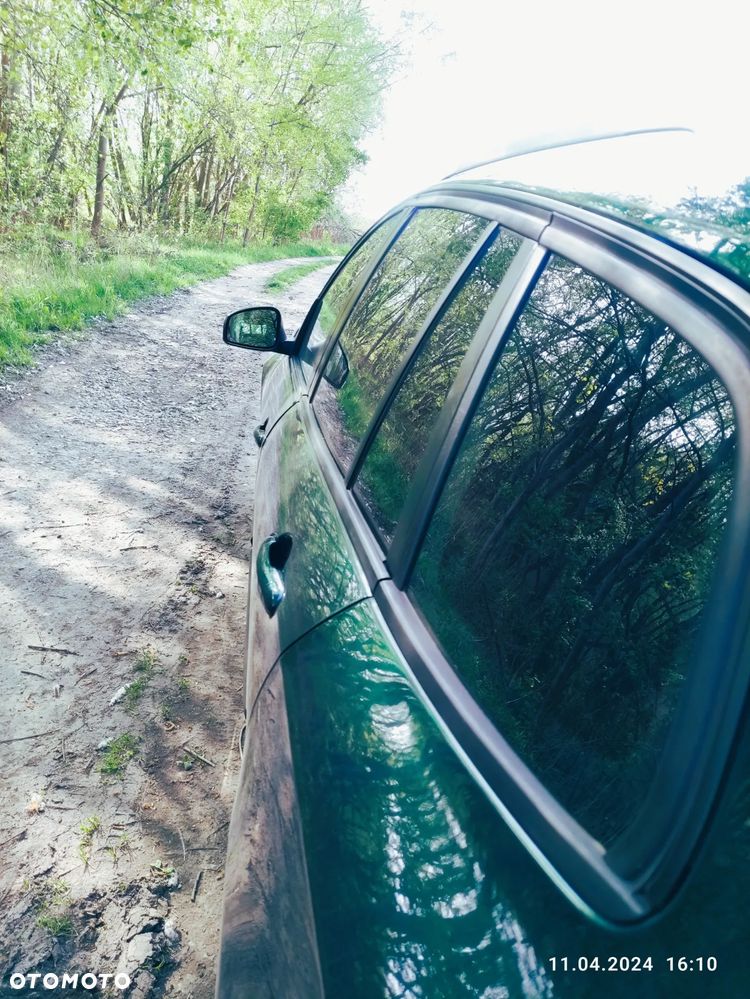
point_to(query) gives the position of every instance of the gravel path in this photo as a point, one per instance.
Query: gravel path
(126, 497)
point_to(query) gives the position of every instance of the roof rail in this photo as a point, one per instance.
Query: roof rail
(520, 150)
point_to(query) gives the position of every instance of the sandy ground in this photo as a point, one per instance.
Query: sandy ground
(127, 468)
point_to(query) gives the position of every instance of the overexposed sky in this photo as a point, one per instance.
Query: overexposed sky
(481, 76)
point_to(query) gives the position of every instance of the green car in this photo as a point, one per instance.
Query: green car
(498, 668)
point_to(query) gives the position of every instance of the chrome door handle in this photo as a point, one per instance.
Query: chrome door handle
(272, 559)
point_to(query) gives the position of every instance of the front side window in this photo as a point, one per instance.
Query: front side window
(567, 567)
(392, 459)
(389, 314)
(337, 295)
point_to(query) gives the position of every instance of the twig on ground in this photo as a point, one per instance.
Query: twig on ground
(84, 675)
(198, 756)
(126, 652)
(184, 854)
(30, 672)
(52, 648)
(22, 738)
(196, 885)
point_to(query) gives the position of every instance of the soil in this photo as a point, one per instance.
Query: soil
(126, 500)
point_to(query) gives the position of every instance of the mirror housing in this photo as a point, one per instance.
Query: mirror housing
(257, 328)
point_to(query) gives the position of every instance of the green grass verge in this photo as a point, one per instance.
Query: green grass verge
(287, 276)
(54, 281)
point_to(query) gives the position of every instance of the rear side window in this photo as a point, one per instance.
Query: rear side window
(567, 567)
(392, 459)
(336, 297)
(389, 314)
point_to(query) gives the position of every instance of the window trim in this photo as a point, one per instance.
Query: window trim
(357, 288)
(350, 301)
(454, 285)
(641, 872)
(447, 433)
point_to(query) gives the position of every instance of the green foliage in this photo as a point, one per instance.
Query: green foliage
(118, 754)
(283, 279)
(89, 828)
(57, 281)
(205, 117)
(58, 924)
(51, 899)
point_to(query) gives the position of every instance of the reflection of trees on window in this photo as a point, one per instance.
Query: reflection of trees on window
(336, 296)
(388, 315)
(392, 460)
(570, 559)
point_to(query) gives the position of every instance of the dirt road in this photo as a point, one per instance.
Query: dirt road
(127, 467)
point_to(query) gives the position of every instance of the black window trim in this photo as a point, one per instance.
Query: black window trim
(354, 292)
(447, 433)
(641, 873)
(529, 222)
(454, 285)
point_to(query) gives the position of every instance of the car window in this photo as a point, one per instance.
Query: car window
(393, 457)
(569, 561)
(337, 295)
(390, 312)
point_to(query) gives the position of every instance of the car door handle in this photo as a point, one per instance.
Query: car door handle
(272, 559)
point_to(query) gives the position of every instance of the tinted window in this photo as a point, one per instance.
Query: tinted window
(394, 455)
(568, 565)
(388, 315)
(336, 297)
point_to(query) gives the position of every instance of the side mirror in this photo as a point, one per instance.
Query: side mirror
(257, 328)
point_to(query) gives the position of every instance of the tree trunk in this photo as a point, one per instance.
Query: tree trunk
(101, 160)
(101, 173)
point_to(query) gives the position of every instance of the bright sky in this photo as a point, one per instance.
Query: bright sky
(488, 74)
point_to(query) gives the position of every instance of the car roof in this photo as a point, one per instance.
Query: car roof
(671, 182)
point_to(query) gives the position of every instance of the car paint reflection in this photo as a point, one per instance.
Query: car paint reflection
(393, 827)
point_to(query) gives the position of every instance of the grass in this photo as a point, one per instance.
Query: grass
(287, 276)
(118, 754)
(52, 901)
(58, 924)
(53, 281)
(89, 828)
(144, 666)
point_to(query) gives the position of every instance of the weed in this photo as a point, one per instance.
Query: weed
(59, 925)
(52, 901)
(187, 762)
(183, 684)
(182, 660)
(52, 893)
(146, 662)
(135, 691)
(118, 754)
(89, 828)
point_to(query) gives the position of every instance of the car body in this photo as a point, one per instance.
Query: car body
(497, 671)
